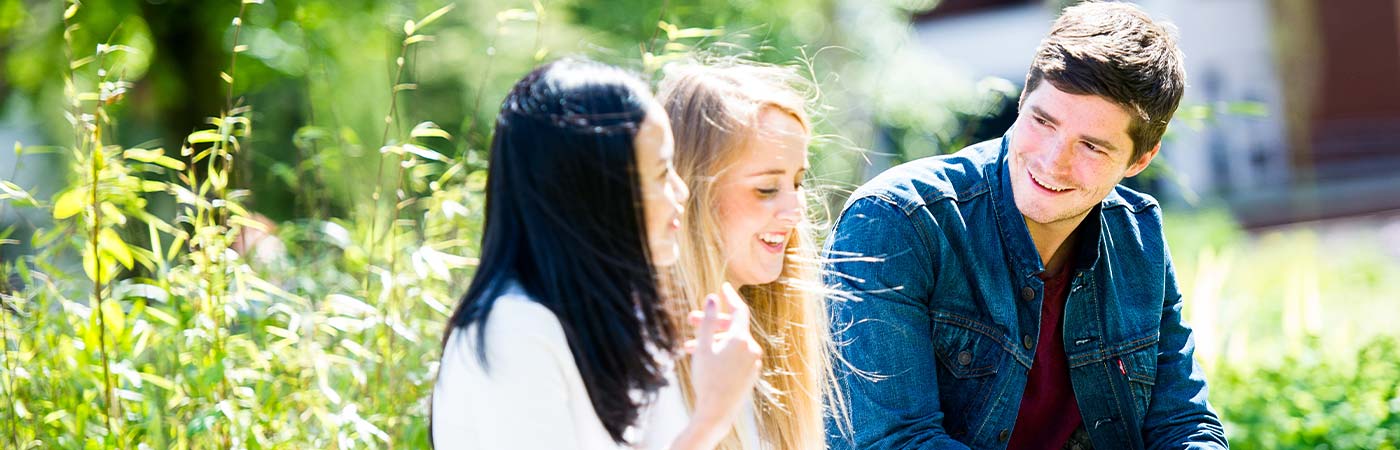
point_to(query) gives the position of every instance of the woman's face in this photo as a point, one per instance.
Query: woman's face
(759, 198)
(663, 192)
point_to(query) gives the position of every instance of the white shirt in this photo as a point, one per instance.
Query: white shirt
(530, 395)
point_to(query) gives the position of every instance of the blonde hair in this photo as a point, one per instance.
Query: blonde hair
(714, 110)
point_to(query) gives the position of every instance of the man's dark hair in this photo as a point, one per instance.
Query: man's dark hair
(1115, 51)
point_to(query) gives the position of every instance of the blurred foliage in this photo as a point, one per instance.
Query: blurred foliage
(1292, 327)
(1310, 401)
(249, 220)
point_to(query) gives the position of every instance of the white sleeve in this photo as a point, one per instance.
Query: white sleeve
(520, 399)
(664, 419)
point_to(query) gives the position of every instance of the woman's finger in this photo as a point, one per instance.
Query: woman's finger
(722, 320)
(739, 311)
(706, 330)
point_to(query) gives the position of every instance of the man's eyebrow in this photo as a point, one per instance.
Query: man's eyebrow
(1098, 141)
(1044, 115)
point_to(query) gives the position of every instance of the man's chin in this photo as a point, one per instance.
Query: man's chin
(1042, 216)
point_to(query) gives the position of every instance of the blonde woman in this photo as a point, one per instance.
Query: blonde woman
(741, 136)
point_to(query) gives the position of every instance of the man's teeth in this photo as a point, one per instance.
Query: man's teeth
(772, 238)
(1042, 184)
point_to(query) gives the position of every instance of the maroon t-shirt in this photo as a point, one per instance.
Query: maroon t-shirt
(1049, 413)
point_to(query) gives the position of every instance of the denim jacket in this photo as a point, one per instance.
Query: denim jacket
(937, 302)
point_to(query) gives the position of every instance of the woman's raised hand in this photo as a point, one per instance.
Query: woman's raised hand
(724, 365)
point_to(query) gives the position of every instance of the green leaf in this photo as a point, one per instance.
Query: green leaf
(282, 333)
(109, 242)
(156, 156)
(170, 163)
(428, 129)
(162, 316)
(113, 316)
(55, 416)
(103, 49)
(674, 33)
(80, 62)
(435, 15)
(91, 263)
(239, 212)
(20, 410)
(45, 237)
(476, 181)
(111, 214)
(12, 191)
(157, 380)
(175, 246)
(143, 155)
(358, 350)
(153, 186)
(424, 153)
(91, 334)
(68, 203)
(205, 136)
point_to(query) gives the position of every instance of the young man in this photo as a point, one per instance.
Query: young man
(1012, 294)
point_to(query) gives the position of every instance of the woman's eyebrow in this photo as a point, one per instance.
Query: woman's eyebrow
(772, 171)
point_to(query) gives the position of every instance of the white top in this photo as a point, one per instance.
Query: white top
(532, 397)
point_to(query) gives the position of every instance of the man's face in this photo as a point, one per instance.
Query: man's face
(1067, 153)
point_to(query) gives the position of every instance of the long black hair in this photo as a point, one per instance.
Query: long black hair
(564, 219)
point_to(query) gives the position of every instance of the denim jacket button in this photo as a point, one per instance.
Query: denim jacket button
(1027, 293)
(1027, 342)
(964, 358)
(1004, 436)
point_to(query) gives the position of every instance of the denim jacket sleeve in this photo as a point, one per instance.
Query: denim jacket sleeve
(880, 265)
(1179, 416)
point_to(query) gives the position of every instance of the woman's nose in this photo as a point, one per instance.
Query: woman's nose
(678, 188)
(790, 210)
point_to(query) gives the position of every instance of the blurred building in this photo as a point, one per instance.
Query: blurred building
(1296, 102)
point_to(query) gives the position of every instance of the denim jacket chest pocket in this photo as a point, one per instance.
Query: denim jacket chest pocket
(968, 360)
(1127, 390)
(1140, 369)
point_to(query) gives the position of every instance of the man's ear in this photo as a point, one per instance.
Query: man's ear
(1141, 164)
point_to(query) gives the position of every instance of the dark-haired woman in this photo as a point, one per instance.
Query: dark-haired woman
(563, 339)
